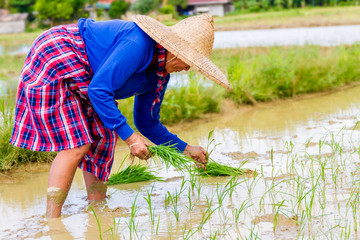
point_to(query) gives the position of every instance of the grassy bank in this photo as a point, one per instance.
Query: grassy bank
(10, 156)
(10, 66)
(300, 17)
(265, 74)
(186, 102)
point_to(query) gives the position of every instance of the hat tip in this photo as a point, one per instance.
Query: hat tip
(207, 17)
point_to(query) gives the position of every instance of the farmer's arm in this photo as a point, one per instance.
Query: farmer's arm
(124, 59)
(149, 123)
(150, 126)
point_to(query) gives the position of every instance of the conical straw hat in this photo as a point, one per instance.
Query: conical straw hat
(191, 40)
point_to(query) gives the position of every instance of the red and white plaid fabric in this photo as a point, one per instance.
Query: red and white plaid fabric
(53, 110)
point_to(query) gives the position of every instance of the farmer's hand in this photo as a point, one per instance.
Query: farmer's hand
(138, 146)
(197, 153)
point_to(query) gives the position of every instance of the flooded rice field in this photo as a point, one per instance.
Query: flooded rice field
(304, 157)
(322, 36)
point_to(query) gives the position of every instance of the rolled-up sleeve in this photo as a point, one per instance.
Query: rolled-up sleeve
(122, 61)
(149, 123)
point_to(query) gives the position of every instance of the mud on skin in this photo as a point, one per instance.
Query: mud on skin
(97, 187)
(56, 195)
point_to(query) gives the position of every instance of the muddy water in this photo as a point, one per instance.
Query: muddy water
(282, 141)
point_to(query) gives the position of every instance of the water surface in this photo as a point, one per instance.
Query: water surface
(271, 138)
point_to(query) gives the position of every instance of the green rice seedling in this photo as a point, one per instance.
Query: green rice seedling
(157, 225)
(276, 216)
(206, 216)
(198, 188)
(214, 169)
(346, 231)
(302, 224)
(194, 179)
(221, 193)
(210, 142)
(171, 157)
(182, 187)
(233, 182)
(151, 210)
(237, 211)
(131, 224)
(98, 222)
(251, 183)
(190, 207)
(113, 230)
(131, 174)
(353, 202)
(174, 201)
(187, 234)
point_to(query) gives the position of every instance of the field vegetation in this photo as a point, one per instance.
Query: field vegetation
(307, 191)
(289, 18)
(257, 74)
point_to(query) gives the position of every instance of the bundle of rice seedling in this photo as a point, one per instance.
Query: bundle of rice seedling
(214, 169)
(171, 157)
(133, 173)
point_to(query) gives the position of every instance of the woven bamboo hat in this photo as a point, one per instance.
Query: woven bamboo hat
(191, 40)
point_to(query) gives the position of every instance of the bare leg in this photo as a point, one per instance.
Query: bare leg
(60, 178)
(96, 189)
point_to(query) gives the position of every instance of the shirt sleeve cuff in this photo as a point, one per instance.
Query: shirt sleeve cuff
(179, 144)
(124, 131)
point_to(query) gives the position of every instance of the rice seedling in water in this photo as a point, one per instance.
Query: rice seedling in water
(171, 157)
(131, 224)
(98, 222)
(188, 234)
(113, 229)
(131, 174)
(214, 169)
(174, 201)
(151, 210)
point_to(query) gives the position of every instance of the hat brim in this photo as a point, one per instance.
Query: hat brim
(180, 48)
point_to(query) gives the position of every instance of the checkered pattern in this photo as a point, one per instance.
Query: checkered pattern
(161, 74)
(53, 110)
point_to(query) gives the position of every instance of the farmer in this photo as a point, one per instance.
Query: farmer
(72, 77)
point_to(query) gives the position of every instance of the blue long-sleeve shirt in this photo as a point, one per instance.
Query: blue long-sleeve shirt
(119, 54)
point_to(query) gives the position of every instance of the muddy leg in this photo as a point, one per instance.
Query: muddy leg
(96, 189)
(60, 178)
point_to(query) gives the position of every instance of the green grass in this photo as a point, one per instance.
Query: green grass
(10, 67)
(131, 174)
(285, 18)
(187, 102)
(190, 101)
(11, 156)
(14, 40)
(266, 74)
